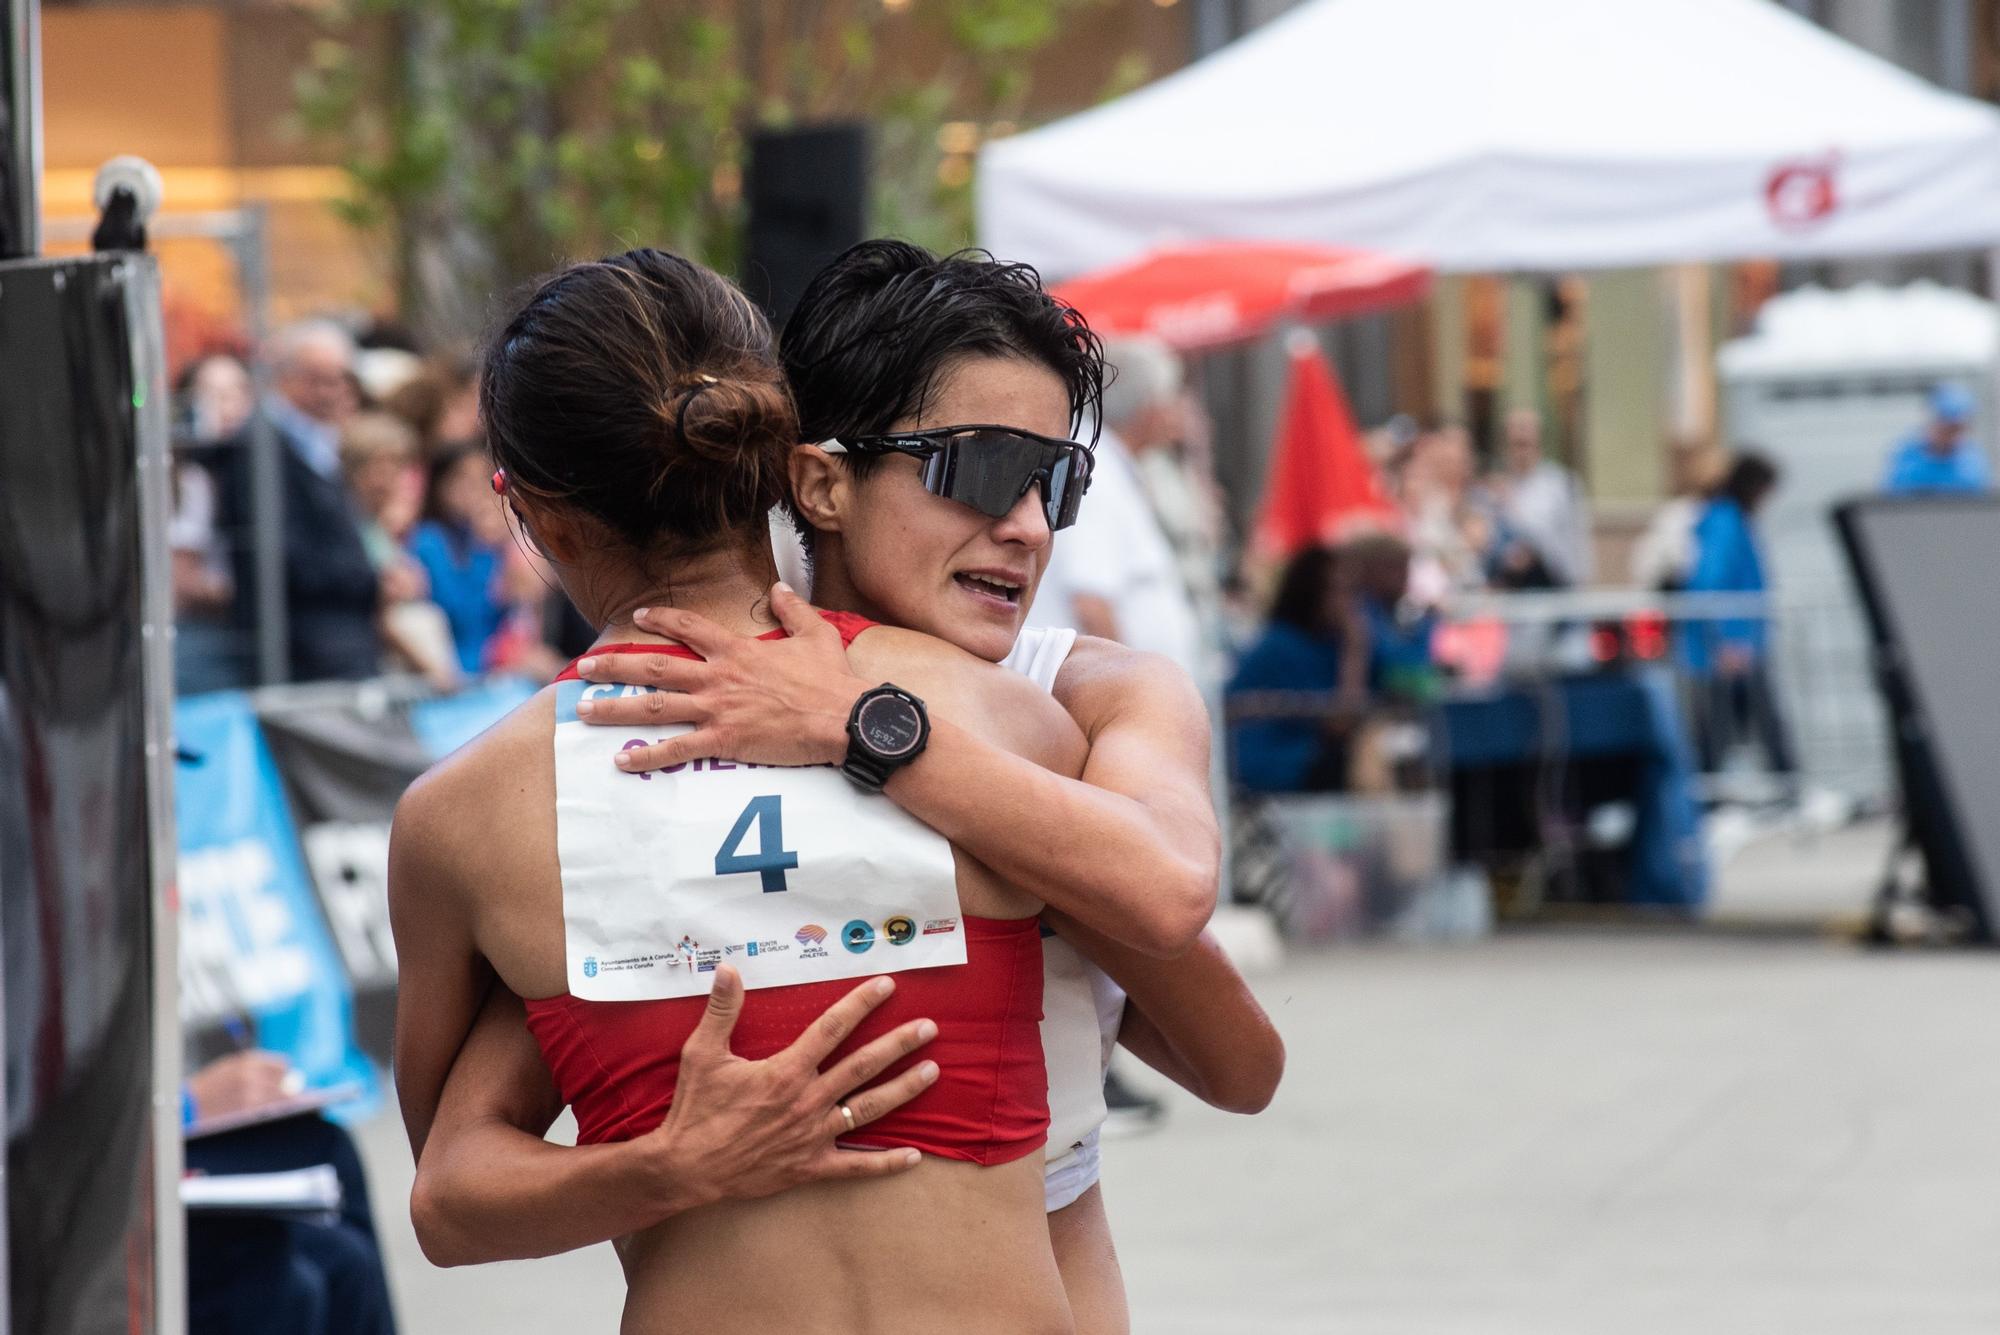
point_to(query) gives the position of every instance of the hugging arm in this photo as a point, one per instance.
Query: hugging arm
(441, 978)
(1130, 848)
(489, 1188)
(1192, 1019)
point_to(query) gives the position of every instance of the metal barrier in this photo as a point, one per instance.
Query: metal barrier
(1812, 701)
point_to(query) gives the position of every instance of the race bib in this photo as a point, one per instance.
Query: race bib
(792, 875)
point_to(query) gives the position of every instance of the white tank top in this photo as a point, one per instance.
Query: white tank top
(1081, 1007)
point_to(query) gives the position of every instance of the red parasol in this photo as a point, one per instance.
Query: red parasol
(1321, 483)
(1204, 296)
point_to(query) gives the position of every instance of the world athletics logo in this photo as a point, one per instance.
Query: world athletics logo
(590, 966)
(810, 935)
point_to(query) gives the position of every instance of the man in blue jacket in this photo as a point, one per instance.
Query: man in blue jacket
(1943, 457)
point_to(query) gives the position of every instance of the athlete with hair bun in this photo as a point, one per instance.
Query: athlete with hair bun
(961, 342)
(929, 389)
(671, 928)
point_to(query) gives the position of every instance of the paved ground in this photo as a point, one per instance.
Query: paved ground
(1552, 1131)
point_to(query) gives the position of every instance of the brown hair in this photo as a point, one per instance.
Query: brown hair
(644, 391)
(368, 436)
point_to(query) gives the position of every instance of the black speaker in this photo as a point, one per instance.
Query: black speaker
(1921, 565)
(808, 193)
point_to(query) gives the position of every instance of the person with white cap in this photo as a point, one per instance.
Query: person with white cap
(1944, 456)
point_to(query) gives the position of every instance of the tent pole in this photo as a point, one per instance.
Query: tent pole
(20, 129)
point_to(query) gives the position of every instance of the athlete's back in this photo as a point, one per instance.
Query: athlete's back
(832, 1257)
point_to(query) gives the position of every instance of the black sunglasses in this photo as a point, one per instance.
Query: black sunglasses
(991, 467)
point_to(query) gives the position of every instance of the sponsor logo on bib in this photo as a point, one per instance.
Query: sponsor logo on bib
(811, 934)
(940, 926)
(899, 930)
(858, 936)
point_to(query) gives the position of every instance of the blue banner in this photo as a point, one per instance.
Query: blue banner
(254, 945)
(448, 722)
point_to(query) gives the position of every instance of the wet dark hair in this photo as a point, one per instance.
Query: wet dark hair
(1300, 601)
(1749, 480)
(876, 329)
(642, 390)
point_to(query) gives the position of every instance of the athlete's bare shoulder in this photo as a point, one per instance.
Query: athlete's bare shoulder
(1103, 680)
(457, 806)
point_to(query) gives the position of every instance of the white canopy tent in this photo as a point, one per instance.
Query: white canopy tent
(1528, 135)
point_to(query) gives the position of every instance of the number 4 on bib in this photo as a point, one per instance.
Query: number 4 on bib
(771, 860)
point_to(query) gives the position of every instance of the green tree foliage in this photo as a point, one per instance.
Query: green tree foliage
(487, 140)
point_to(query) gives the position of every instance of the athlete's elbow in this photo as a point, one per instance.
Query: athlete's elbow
(1257, 1086)
(1161, 933)
(443, 1245)
(1182, 908)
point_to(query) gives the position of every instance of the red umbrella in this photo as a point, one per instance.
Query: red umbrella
(1203, 296)
(1321, 485)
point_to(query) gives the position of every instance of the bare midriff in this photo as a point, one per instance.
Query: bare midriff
(946, 1246)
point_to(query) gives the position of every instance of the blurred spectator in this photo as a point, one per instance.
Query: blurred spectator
(213, 401)
(331, 587)
(1302, 686)
(461, 545)
(1401, 666)
(1175, 461)
(216, 399)
(530, 620)
(458, 410)
(378, 453)
(208, 653)
(1450, 521)
(1113, 573)
(1943, 457)
(385, 372)
(1664, 554)
(248, 1274)
(1729, 658)
(1546, 519)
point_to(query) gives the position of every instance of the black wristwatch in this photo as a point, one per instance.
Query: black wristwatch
(886, 730)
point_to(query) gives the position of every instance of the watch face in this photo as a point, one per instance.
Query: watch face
(889, 725)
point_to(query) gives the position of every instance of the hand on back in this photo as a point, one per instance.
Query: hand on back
(765, 702)
(746, 1129)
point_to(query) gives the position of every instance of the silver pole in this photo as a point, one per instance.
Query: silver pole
(21, 120)
(141, 280)
(267, 489)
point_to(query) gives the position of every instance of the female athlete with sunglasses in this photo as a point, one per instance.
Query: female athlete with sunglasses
(641, 426)
(966, 364)
(938, 485)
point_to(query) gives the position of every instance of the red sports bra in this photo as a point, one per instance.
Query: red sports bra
(616, 1062)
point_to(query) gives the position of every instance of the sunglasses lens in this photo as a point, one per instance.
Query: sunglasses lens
(991, 470)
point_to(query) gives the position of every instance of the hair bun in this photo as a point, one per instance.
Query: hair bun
(730, 421)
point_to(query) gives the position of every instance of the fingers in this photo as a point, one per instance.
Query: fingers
(639, 711)
(694, 630)
(847, 1164)
(863, 1065)
(639, 757)
(718, 1019)
(796, 615)
(663, 670)
(831, 1029)
(259, 1059)
(870, 1104)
